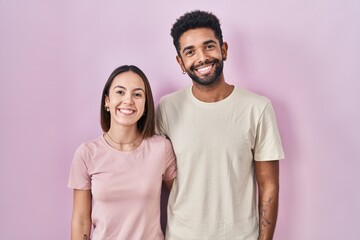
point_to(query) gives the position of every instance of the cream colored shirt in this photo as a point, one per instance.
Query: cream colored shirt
(214, 195)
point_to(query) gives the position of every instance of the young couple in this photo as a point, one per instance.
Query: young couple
(219, 157)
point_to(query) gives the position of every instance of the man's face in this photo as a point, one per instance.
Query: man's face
(201, 55)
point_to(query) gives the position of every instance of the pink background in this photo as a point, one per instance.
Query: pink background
(55, 57)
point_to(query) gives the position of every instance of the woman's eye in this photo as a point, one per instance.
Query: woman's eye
(120, 92)
(138, 95)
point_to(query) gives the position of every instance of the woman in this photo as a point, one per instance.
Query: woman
(117, 177)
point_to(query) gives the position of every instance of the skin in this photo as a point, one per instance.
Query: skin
(200, 56)
(81, 215)
(126, 102)
(267, 176)
(199, 48)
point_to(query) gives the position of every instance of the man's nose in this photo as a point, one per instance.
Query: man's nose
(202, 56)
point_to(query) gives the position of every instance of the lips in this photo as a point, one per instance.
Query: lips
(126, 111)
(204, 69)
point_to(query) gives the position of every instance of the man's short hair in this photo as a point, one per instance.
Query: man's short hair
(192, 20)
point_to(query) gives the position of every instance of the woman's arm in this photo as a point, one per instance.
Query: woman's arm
(169, 184)
(81, 216)
(267, 175)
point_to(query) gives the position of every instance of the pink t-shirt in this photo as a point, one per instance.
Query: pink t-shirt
(125, 186)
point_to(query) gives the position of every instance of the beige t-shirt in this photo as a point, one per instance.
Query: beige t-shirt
(214, 195)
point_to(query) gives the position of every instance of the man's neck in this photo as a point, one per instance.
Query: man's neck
(212, 93)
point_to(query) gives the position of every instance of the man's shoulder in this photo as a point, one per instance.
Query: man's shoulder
(248, 96)
(174, 97)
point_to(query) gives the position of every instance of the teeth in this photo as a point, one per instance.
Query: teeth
(204, 69)
(126, 111)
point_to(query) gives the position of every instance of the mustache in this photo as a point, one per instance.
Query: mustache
(214, 61)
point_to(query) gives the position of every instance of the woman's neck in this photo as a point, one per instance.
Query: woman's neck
(123, 139)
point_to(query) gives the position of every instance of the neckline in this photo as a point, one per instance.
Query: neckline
(138, 148)
(201, 103)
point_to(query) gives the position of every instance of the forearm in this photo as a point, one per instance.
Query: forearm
(81, 216)
(268, 210)
(267, 176)
(80, 230)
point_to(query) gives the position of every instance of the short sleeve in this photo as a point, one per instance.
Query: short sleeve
(170, 162)
(79, 177)
(160, 124)
(268, 142)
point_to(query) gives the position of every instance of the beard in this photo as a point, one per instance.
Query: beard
(210, 79)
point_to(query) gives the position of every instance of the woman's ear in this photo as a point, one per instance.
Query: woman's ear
(107, 101)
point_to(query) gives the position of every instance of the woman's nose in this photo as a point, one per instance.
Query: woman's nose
(128, 99)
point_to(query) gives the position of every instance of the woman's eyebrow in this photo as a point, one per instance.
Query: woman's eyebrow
(118, 86)
(135, 89)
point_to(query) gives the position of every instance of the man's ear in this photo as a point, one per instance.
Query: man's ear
(224, 49)
(180, 62)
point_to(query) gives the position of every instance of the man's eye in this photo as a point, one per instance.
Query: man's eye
(210, 46)
(189, 53)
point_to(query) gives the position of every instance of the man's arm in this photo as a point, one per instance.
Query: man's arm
(267, 176)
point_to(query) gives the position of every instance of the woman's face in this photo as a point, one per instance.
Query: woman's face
(126, 99)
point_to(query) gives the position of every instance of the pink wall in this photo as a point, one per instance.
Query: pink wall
(56, 55)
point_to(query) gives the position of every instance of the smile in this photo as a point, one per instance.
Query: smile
(126, 111)
(205, 69)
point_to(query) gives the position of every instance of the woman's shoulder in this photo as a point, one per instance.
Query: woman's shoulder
(158, 140)
(91, 145)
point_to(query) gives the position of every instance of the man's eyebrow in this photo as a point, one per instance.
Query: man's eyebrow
(187, 48)
(209, 41)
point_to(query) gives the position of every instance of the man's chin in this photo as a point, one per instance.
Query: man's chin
(204, 82)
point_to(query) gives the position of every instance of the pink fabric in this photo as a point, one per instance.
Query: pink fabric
(125, 186)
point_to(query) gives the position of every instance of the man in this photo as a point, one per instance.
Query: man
(226, 142)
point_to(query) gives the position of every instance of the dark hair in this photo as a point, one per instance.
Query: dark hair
(146, 123)
(192, 20)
